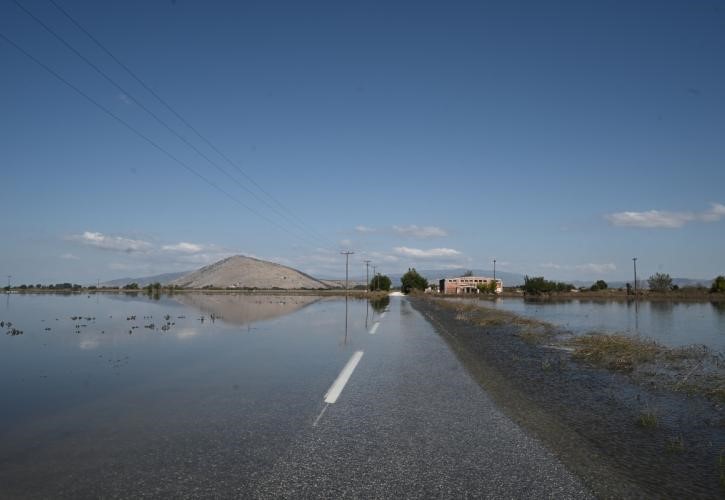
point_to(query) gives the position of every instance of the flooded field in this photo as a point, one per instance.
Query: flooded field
(669, 323)
(95, 385)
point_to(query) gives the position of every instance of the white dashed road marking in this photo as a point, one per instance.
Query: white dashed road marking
(339, 384)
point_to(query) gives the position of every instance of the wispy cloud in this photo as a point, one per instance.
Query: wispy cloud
(183, 247)
(69, 256)
(426, 254)
(591, 267)
(345, 243)
(665, 219)
(146, 256)
(112, 243)
(364, 229)
(420, 231)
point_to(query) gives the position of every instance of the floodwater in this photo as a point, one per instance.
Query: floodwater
(672, 324)
(90, 384)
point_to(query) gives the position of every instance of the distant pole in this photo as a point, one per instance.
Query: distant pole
(367, 274)
(494, 269)
(9, 276)
(347, 255)
(634, 259)
(375, 277)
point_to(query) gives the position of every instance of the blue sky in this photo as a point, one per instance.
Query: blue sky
(561, 138)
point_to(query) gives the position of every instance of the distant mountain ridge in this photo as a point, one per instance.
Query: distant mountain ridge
(240, 271)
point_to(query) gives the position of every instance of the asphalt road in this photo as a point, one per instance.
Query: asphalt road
(412, 423)
(287, 408)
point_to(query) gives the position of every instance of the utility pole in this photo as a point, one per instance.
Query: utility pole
(367, 274)
(494, 269)
(634, 259)
(347, 255)
(9, 276)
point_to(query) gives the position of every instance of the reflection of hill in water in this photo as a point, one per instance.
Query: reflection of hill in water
(246, 309)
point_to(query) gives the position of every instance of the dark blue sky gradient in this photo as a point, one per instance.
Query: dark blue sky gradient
(516, 127)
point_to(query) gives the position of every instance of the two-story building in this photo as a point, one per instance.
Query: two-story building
(467, 284)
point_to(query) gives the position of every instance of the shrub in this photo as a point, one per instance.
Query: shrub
(660, 282)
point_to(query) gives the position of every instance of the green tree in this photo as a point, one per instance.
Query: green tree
(380, 282)
(413, 281)
(660, 282)
(131, 286)
(538, 284)
(718, 285)
(599, 285)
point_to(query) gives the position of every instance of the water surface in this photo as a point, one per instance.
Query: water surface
(100, 387)
(670, 323)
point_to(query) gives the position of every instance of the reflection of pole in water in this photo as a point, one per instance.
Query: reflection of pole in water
(345, 342)
(636, 316)
(367, 311)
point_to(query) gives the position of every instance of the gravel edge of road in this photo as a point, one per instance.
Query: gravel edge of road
(588, 416)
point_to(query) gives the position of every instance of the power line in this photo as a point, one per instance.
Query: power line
(150, 112)
(183, 120)
(144, 137)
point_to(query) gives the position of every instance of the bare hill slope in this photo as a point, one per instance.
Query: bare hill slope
(239, 271)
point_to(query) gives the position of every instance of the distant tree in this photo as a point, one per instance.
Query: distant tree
(23, 286)
(380, 282)
(660, 282)
(412, 281)
(599, 285)
(131, 286)
(38, 286)
(718, 285)
(467, 273)
(538, 284)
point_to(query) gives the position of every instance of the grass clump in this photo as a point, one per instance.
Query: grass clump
(534, 336)
(616, 352)
(647, 419)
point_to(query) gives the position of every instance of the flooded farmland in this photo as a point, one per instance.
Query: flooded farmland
(672, 324)
(96, 388)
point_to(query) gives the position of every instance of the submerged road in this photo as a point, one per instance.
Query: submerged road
(410, 422)
(287, 408)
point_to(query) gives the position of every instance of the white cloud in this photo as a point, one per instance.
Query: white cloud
(426, 254)
(420, 231)
(665, 219)
(69, 256)
(183, 247)
(113, 243)
(364, 229)
(346, 243)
